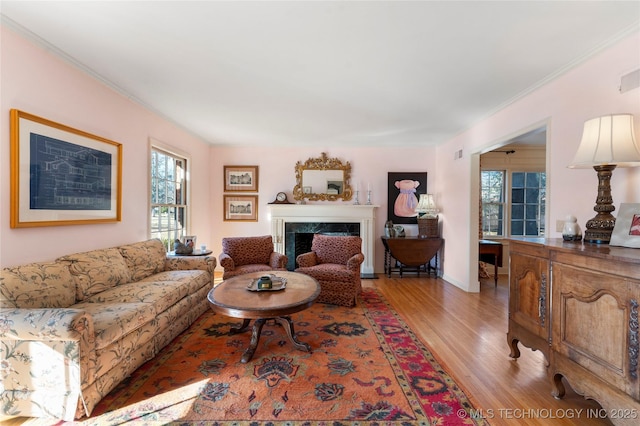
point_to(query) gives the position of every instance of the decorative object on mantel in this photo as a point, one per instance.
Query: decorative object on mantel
(402, 201)
(281, 198)
(607, 142)
(427, 216)
(627, 230)
(323, 179)
(571, 230)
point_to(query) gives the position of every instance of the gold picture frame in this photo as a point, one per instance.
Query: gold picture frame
(61, 175)
(240, 178)
(241, 208)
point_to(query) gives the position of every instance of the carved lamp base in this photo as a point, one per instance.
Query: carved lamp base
(600, 227)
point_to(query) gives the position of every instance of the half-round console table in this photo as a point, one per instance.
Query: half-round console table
(411, 254)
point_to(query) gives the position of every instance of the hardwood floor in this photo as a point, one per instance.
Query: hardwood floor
(467, 332)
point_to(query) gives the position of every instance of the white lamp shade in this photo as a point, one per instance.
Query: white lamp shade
(426, 204)
(608, 140)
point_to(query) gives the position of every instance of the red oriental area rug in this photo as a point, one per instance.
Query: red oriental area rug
(367, 367)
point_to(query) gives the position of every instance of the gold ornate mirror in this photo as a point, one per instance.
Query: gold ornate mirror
(322, 178)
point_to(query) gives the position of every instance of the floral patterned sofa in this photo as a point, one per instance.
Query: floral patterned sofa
(72, 329)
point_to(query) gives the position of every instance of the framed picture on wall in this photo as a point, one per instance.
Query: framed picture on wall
(403, 189)
(241, 208)
(240, 178)
(626, 231)
(61, 175)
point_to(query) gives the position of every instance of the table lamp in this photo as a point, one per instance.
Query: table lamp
(607, 142)
(427, 216)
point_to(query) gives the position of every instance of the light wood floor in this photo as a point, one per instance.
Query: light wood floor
(467, 334)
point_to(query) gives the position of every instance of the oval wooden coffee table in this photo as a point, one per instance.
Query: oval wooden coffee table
(233, 299)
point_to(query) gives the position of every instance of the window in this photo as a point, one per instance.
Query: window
(169, 209)
(492, 189)
(528, 194)
(523, 209)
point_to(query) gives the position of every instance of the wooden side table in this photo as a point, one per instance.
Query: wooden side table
(491, 252)
(412, 253)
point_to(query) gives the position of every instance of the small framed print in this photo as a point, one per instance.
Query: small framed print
(189, 241)
(240, 178)
(626, 232)
(241, 208)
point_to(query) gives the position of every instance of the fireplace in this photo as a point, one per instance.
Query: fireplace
(298, 236)
(289, 221)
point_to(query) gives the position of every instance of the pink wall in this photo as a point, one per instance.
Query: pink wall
(39, 83)
(277, 173)
(587, 91)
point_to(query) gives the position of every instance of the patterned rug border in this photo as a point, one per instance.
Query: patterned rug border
(466, 401)
(383, 322)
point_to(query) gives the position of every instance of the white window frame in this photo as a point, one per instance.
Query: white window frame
(157, 146)
(507, 189)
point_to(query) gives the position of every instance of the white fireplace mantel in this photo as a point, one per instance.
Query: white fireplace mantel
(348, 213)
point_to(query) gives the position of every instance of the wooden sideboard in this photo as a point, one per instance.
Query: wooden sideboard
(578, 304)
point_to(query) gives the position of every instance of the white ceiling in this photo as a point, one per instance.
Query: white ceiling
(321, 73)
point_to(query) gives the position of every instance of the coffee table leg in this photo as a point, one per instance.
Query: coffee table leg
(255, 337)
(240, 329)
(287, 324)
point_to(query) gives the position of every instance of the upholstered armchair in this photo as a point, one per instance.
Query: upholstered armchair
(241, 255)
(334, 261)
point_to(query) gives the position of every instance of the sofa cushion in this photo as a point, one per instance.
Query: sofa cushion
(96, 271)
(37, 285)
(144, 258)
(329, 272)
(192, 279)
(114, 320)
(161, 294)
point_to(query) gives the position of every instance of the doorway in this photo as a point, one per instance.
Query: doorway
(515, 202)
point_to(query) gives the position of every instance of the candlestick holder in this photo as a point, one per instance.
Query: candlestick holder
(369, 197)
(356, 200)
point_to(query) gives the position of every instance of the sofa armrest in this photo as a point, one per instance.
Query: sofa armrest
(190, 263)
(355, 261)
(47, 324)
(277, 260)
(227, 262)
(306, 260)
(47, 354)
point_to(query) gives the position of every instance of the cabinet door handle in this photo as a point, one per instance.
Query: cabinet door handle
(542, 299)
(634, 345)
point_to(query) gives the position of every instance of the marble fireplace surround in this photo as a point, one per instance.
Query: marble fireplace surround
(364, 215)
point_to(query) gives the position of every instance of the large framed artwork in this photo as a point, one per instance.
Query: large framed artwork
(61, 175)
(240, 178)
(626, 231)
(403, 190)
(241, 208)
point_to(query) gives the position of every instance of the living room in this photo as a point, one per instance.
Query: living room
(41, 83)
(37, 80)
